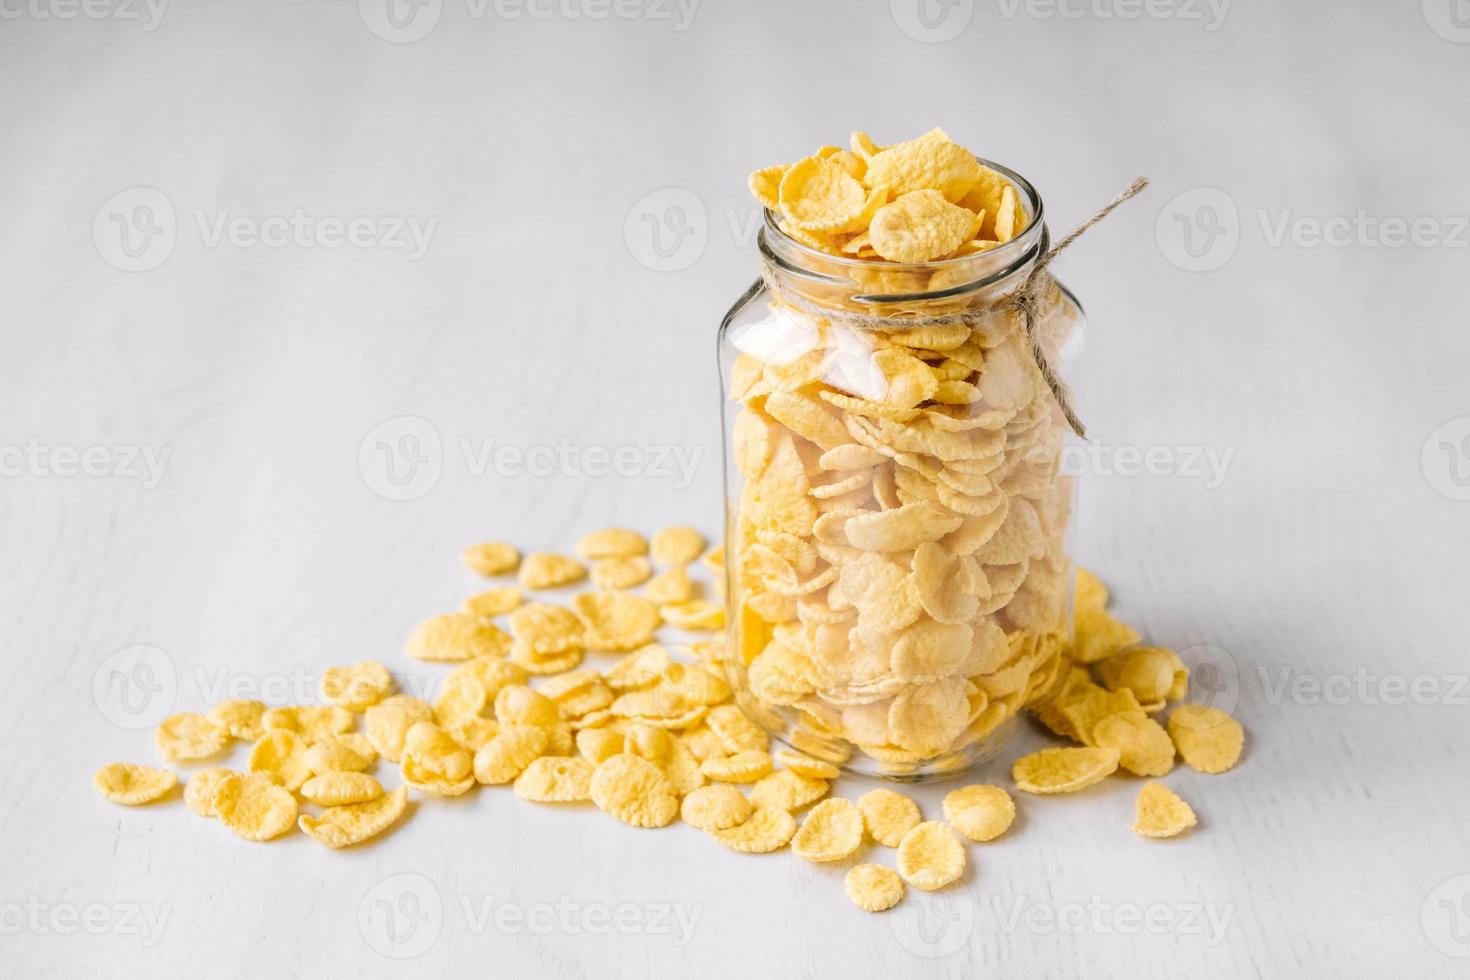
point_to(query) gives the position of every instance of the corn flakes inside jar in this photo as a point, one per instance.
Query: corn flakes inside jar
(898, 586)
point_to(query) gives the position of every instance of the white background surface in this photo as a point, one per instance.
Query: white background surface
(1332, 548)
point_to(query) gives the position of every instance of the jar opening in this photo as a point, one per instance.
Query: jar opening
(843, 280)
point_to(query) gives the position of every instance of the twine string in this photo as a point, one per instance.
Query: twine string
(1027, 301)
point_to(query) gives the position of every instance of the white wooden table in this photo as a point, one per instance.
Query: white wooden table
(209, 408)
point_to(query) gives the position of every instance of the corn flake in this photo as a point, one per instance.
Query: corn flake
(981, 813)
(280, 755)
(456, 637)
(930, 856)
(621, 573)
(873, 888)
(493, 602)
(356, 687)
(132, 785)
(764, 831)
(612, 542)
(832, 831)
(1160, 812)
(341, 788)
(616, 620)
(889, 815)
(1063, 770)
(719, 806)
(634, 791)
(677, 546)
(546, 570)
(1208, 739)
(491, 558)
(555, 779)
(787, 789)
(343, 826)
(188, 736)
(254, 807)
(507, 755)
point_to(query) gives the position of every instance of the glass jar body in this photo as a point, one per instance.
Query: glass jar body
(898, 585)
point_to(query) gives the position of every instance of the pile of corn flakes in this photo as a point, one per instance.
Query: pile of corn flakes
(650, 735)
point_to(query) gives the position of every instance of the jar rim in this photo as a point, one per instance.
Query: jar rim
(1027, 245)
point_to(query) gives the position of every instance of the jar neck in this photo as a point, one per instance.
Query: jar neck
(850, 285)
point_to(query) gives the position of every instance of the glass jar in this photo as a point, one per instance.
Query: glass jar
(897, 577)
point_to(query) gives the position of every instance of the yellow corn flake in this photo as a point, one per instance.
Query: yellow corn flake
(672, 585)
(1008, 219)
(634, 791)
(805, 765)
(456, 637)
(543, 665)
(1064, 770)
(507, 755)
(921, 226)
(335, 755)
(254, 807)
(343, 826)
(1153, 674)
(520, 705)
(463, 696)
(240, 718)
(621, 573)
(787, 789)
(981, 813)
(555, 779)
(1208, 739)
(597, 745)
(387, 723)
(714, 560)
(931, 162)
(188, 736)
(1144, 748)
(764, 831)
(765, 186)
(819, 195)
(493, 672)
(719, 806)
(493, 602)
(694, 614)
(873, 888)
(491, 558)
(930, 856)
(1091, 593)
(341, 788)
(200, 789)
(616, 621)
(742, 767)
(280, 755)
(356, 687)
(1160, 812)
(132, 785)
(470, 732)
(1100, 636)
(436, 764)
(612, 542)
(832, 831)
(889, 815)
(310, 721)
(677, 546)
(547, 629)
(547, 570)
(736, 731)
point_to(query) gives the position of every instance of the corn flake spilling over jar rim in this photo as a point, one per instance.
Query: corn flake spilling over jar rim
(917, 201)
